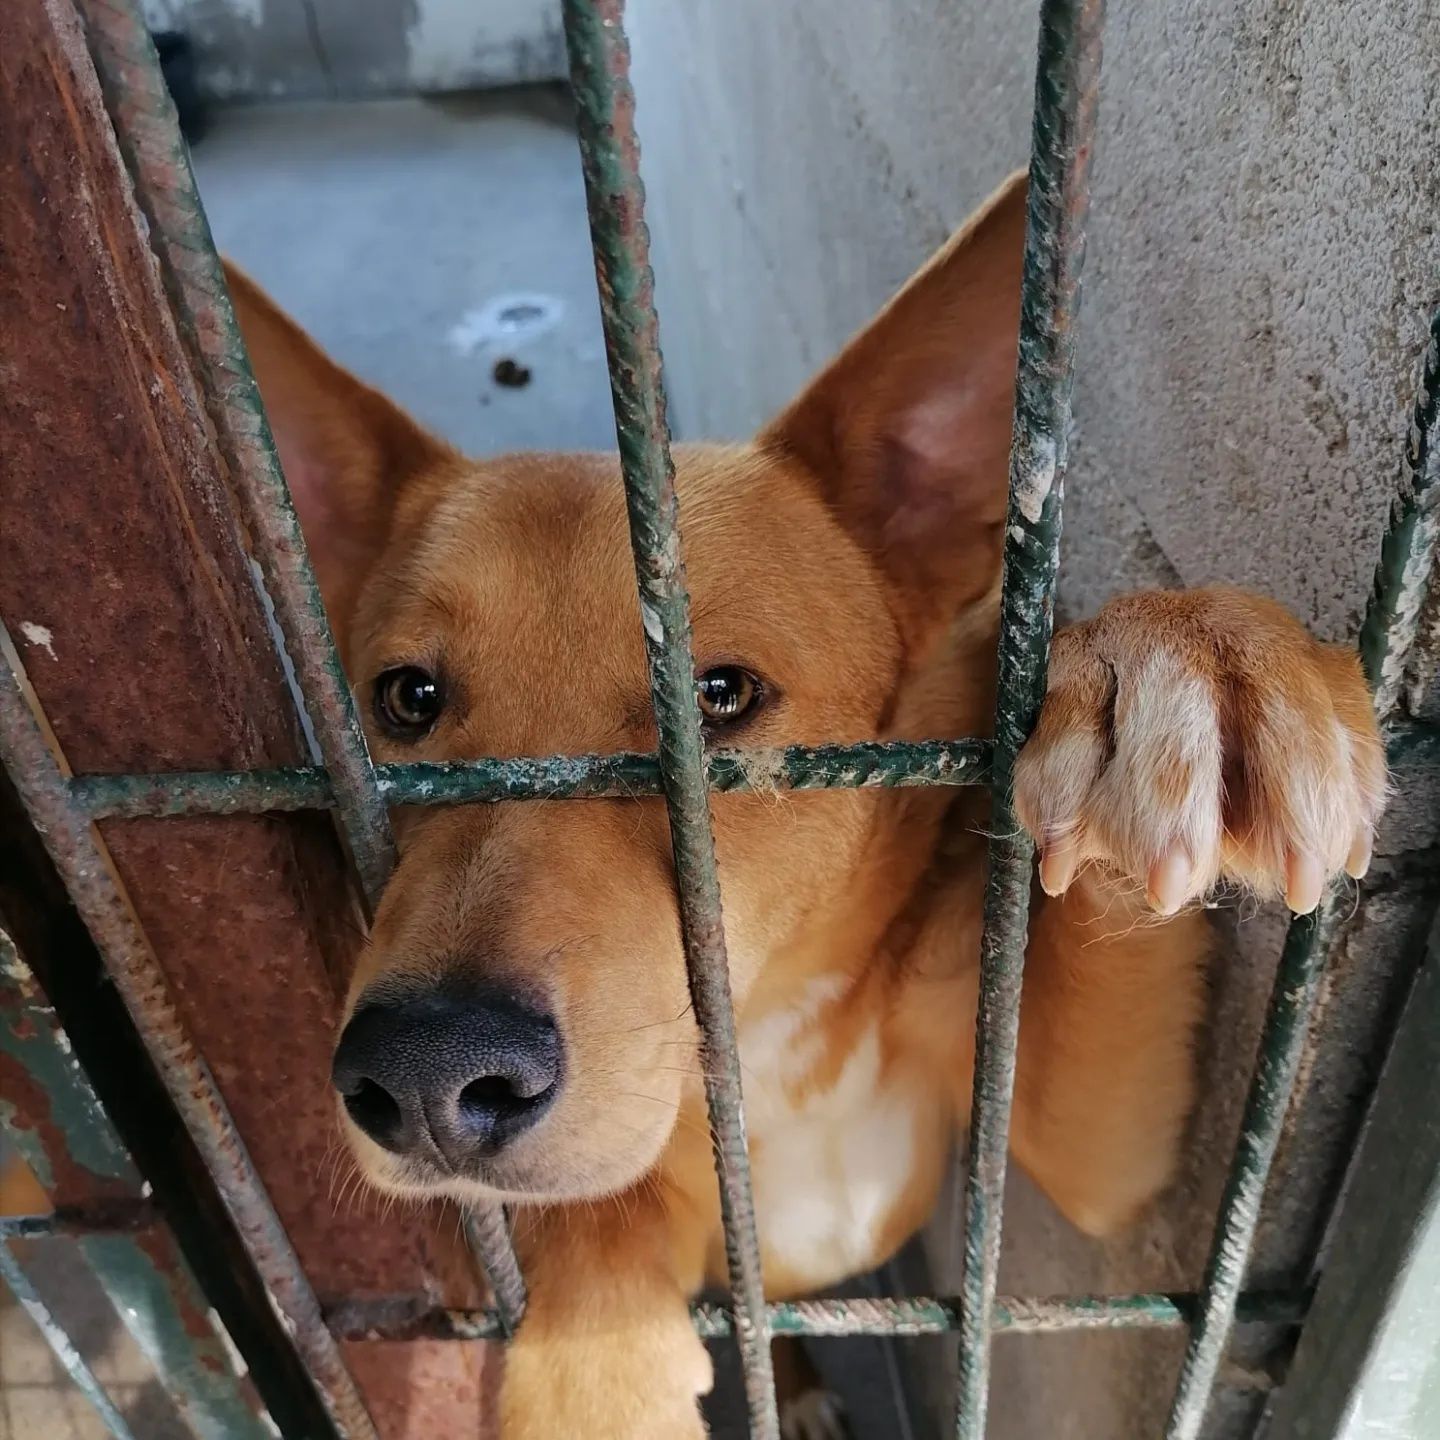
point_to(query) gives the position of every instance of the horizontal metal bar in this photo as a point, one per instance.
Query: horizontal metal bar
(1402, 580)
(61, 1346)
(615, 199)
(878, 764)
(121, 1216)
(872, 765)
(1067, 82)
(824, 1319)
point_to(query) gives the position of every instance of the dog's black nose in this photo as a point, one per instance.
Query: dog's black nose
(457, 1069)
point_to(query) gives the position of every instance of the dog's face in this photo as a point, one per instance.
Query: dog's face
(519, 1021)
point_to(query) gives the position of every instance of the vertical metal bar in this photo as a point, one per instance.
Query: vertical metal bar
(149, 136)
(62, 1132)
(1405, 571)
(1066, 86)
(487, 1232)
(1375, 1304)
(61, 1345)
(85, 867)
(605, 104)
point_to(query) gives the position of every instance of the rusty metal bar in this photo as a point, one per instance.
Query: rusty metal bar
(821, 1319)
(125, 1217)
(159, 162)
(61, 1345)
(872, 765)
(615, 198)
(85, 867)
(487, 1232)
(148, 133)
(1066, 87)
(54, 1118)
(1405, 572)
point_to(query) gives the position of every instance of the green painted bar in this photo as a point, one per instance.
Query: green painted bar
(59, 1128)
(1387, 636)
(61, 1346)
(1066, 85)
(822, 1319)
(872, 765)
(85, 867)
(1368, 1347)
(615, 198)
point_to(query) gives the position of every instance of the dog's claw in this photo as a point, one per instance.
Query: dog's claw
(1304, 882)
(1357, 863)
(1057, 864)
(1168, 883)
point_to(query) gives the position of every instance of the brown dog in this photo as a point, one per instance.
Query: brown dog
(519, 1022)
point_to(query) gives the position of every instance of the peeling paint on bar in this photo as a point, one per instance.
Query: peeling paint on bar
(70, 1220)
(57, 1125)
(822, 1319)
(1402, 579)
(61, 1345)
(615, 198)
(89, 876)
(1066, 87)
(158, 159)
(872, 765)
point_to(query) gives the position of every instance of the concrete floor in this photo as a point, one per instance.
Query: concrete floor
(393, 230)
(420, 242)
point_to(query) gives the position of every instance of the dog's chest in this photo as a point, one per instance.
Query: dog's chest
(834, 1146)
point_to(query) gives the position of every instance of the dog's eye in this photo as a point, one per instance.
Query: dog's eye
(408, 701)
(726, 694)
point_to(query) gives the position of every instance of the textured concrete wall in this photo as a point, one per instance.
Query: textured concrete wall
(1263, 262)
(310, 49)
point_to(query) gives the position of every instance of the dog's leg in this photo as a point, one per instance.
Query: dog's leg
(1105, 1074)
(606, 1350)
(1186, 739)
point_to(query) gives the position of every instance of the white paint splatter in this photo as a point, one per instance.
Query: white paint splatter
(39, 635)
(1035, 463)
(508, 320)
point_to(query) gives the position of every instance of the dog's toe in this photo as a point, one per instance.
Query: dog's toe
(814, 1415)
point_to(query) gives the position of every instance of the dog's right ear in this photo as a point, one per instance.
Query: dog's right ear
(907, 431)
(346, 450)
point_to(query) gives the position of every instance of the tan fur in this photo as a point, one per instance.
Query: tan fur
(849, 557)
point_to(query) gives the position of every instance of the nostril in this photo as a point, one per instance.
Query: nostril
(493, 1096)
(374, 1109)
(486, 1092)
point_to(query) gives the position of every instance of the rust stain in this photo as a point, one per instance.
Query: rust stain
(28, 1109)
(120, 539)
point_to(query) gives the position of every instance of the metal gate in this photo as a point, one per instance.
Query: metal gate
(115, 1224)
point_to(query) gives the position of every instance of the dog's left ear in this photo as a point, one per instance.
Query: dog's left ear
(346, 450)
(908, 430)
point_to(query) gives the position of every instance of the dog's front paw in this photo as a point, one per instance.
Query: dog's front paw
(1196, 736)
(623, 1377)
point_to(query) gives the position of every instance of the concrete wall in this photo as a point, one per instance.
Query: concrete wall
(1263, 263)
(308, 49)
